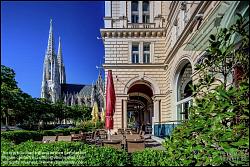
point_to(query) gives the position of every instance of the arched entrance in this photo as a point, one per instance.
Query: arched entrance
(183, 80)
(139, 105)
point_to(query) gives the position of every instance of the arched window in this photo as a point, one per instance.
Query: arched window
(184, 91)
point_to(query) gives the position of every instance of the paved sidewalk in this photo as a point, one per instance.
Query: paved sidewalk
(153, 142)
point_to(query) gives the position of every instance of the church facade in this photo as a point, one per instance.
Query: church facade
(54, 86)
(152, 48)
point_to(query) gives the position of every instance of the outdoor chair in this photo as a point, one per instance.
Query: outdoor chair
(64, 138)
(49, 139)
(84, 136)
(120, 131)
(77, 137)
(91, 137)
(112, 143)
(135, 145)
(142, 134)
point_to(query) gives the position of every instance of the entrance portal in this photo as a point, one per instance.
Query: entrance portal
(140, 106)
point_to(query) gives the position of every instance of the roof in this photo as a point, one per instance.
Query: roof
(76, 88)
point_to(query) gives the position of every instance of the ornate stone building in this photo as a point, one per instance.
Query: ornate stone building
(54, 86)
(151, 48)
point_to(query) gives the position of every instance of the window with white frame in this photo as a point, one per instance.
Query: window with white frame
(146, 53)
(140, 12)
(145, 10)
(135, 12)
(135, 53)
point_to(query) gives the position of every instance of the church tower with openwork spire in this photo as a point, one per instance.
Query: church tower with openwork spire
(51, 88)
(61, 66)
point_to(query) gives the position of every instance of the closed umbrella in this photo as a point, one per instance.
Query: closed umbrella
(110, 102)
(103, 115)
(95, 115)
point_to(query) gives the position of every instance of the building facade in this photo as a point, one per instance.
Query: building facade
(54, 86)
(152, 48)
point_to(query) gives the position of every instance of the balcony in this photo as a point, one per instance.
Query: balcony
(141, 25)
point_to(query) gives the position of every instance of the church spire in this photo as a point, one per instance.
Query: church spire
(50, 47)
(60, 63)
(51, 87)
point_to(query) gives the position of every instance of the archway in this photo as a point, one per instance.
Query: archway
(139, 105)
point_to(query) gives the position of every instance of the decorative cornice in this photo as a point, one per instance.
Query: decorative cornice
(120, 32)
(133, 66)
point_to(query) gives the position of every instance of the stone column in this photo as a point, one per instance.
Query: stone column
(140, 11)
(156, 117)
(156, 110)
(125, 119)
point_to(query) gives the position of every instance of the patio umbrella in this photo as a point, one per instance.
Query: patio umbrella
(103, 115)
(110, 102)
(95, 116)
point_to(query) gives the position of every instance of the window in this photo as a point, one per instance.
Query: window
(145, 18)
(184, 92)
(144, 14)
(146, 53)
(135, 53)
(135, 12)
(135, 18)
(134, 6)
(140, 52)
(145, 8)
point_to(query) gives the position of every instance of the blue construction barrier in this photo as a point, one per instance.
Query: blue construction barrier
(164, 130)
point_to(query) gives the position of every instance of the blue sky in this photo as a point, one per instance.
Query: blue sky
(24, 37)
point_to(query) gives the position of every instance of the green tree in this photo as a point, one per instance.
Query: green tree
(217, 131)
(10, 93)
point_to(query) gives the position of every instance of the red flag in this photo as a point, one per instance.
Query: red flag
(110, 101)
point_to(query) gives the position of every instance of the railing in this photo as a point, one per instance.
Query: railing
(164, 129)
(141, 25)
(182, 107)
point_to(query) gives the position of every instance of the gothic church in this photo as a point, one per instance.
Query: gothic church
(54, 86)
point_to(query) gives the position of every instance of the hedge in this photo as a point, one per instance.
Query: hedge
(150, 157)
(60, 154)
(19, 136)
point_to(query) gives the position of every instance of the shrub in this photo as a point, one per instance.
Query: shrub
(90, 125)
(24, 135)
(149, 157)
(21, 135)
(217, 132)
(62, 154)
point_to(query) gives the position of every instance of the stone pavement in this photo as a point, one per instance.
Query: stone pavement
(153, 142)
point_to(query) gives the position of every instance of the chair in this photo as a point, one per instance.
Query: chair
(112, 143)
(49, 139)
(120, 131)
(135, 145)
(64, 138)
(77, 137)
(142, 134)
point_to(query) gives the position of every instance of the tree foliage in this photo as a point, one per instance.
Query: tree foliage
(217, 131)
(33, 113)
